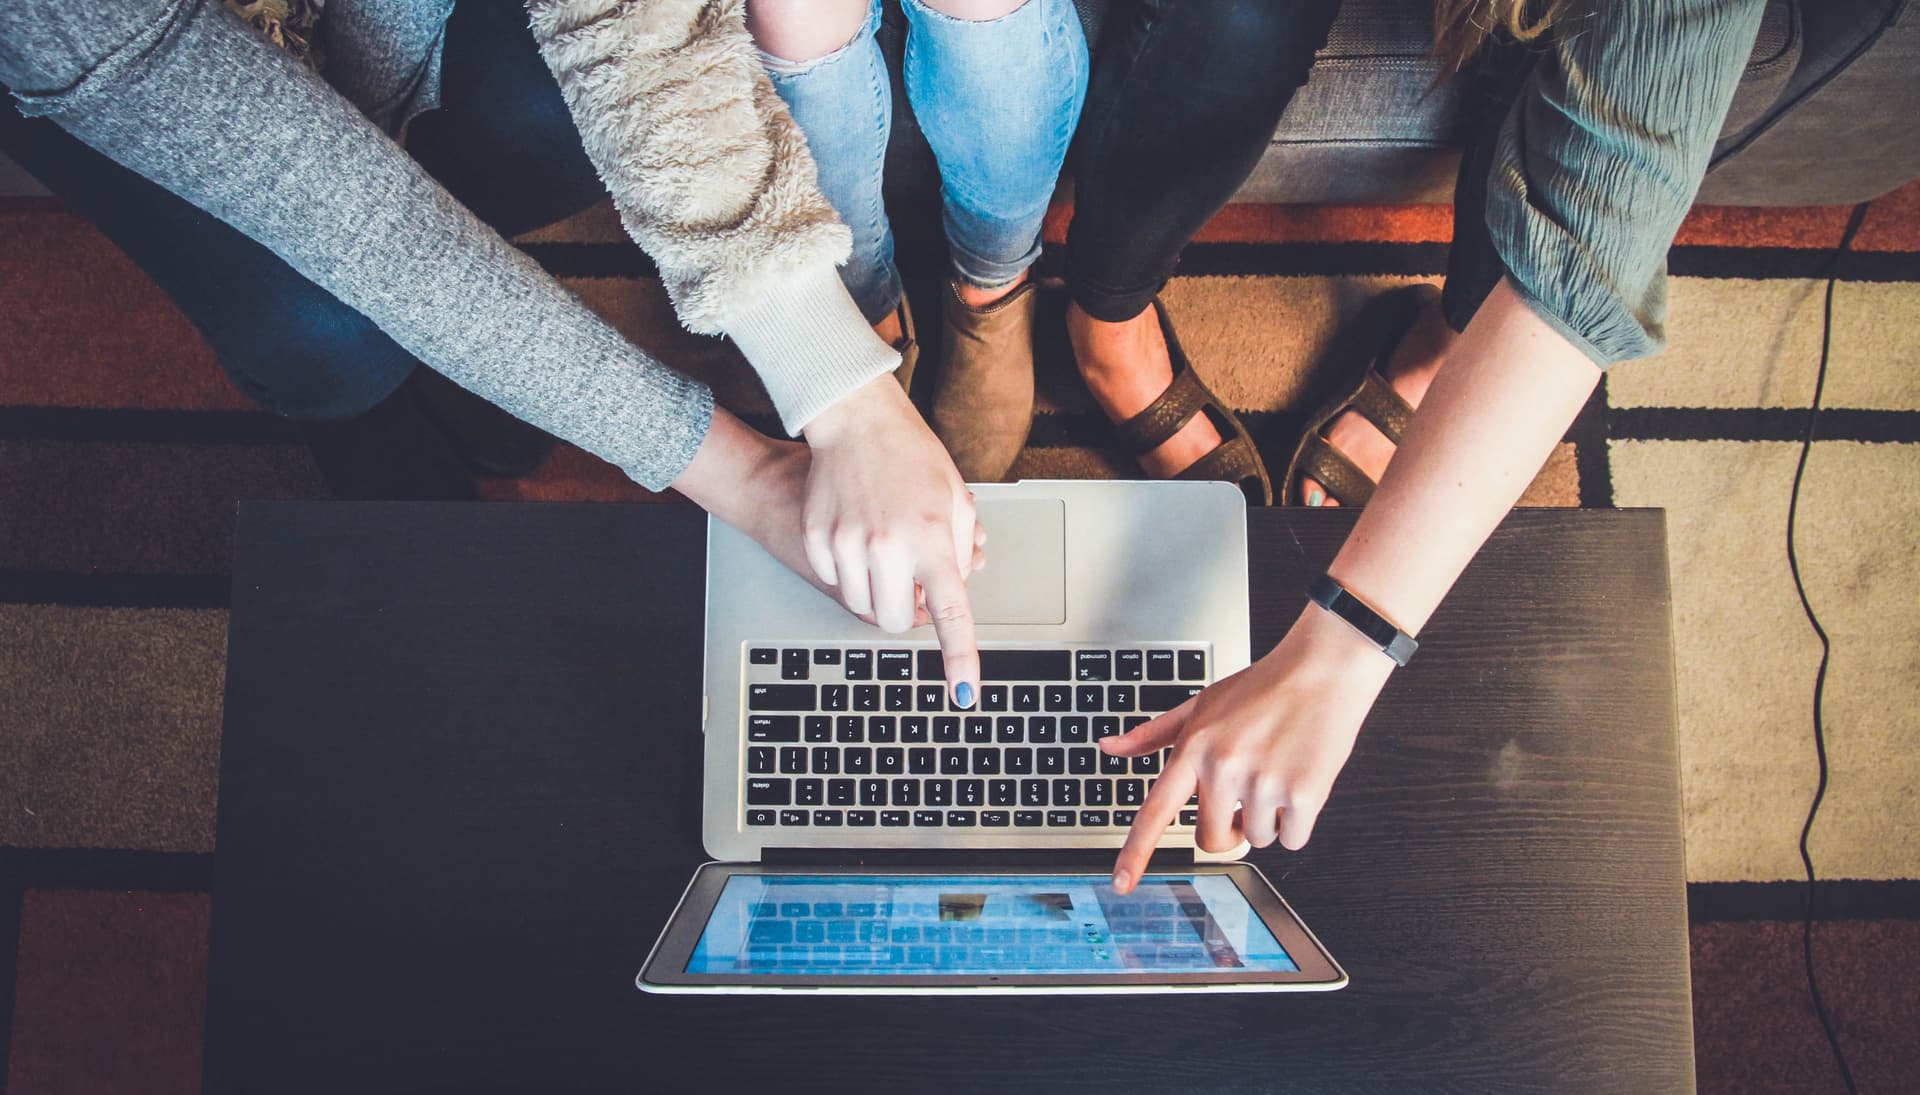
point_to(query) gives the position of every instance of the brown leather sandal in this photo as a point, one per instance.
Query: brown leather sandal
(1234, 460)
(1367, 393)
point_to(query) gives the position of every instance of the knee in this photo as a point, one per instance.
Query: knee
(798, 32)
(975, 11)
(315, 364)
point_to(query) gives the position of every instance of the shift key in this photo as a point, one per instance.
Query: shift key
(782, 697)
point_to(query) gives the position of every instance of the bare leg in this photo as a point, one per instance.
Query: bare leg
(1126, 367)
(1410, 369)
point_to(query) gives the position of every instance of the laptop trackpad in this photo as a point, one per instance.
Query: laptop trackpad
(1025, 578)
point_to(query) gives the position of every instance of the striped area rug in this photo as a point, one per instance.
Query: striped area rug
(123, 450)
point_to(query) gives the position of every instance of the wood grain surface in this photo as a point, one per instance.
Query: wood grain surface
(460, 787)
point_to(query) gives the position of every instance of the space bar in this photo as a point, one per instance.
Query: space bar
(1026, 665)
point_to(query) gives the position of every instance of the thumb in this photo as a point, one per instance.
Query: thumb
(1148, 736)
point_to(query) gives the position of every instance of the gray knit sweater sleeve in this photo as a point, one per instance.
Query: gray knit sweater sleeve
(1601, 157)
(186, 94)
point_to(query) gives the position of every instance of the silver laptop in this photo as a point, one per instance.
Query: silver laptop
(872, 837)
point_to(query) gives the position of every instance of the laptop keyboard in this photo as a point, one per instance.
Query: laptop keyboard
(867, 737)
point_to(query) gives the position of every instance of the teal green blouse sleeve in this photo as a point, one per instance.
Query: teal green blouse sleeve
(1601, 156)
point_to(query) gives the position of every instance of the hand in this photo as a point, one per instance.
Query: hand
(888, 522)
(1262, 746)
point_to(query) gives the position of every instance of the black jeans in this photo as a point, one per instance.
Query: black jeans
(1183, 102)
(503, 143)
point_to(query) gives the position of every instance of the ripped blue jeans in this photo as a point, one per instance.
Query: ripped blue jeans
(998, 100)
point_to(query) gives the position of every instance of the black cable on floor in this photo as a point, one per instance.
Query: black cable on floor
(1826, 647)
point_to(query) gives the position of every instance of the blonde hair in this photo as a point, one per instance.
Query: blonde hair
(1461, 27)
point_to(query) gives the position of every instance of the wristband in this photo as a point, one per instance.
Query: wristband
(1372, 626)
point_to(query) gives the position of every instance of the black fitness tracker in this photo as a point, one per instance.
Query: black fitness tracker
(1372, 626)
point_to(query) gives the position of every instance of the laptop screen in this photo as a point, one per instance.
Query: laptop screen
(849, 925)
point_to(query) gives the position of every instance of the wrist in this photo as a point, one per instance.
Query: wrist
(728, 469)
(854, 413)
(1323, 639)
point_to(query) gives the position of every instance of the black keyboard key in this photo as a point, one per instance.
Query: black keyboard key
(1066, 792)
(960, 819)
(873, 792)
(1127, 665)
(1018, 762)
(937, 792)
(890, 762)
(762, 655)
(1165, 697)
(819, 728)
(826, 817)
(1131, 792)
(1026, 697)
(1026, 819)
(970, 792)
(1105, 726)
(986, 762)
(1123, 817)
(922, 761)
(826, 655)
(839, 792)
(769, 792)
(793, 665)
(782, 697)
(1052, 761)
(1120, 697)
(1060, 819)
(881, 728)
(893, 819)
(1009, 729)
(1097, 792)
(927, 818)
(858, 761)
(826, 760)
(1093, 818)
(1127, 724)
(932, 666)
(1058, 697)
(906, 792)
(791, 818)
(913, 729)
(1159, 665)
(953, 762)
(1189, 817)
(1090, 698)
(793, 760)
(1093, 665)
(894, 665)
(850, 728)
(1002, 792)
(1147, 764)
(899, 697)
(866, 697)
(979, 730)
(861, 818)
(946, 731)
(833, 697)
(995, 819)
(1112, 766)
(1042, 729)
(773, 728)
(760, 817)
(1073, 729)
(859, 665)
(1082, 761)
(1193, 665)
(760, 759)
(993, 697)
(930, 697)
(1033, 792)
(809, 792)
(1026, 665)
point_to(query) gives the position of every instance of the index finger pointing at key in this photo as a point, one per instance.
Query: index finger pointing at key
(952, 614)
(1169, 793)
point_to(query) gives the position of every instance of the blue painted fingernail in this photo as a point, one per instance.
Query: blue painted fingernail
(963, 693)
(1314, 497)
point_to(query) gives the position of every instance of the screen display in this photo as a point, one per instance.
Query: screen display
(958, 925)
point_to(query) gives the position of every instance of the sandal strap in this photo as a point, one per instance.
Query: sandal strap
(1341, 477)
(1380, 404)
(1234, 460)
(1163, 418)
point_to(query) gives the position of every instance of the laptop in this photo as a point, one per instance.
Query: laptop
(870, 837)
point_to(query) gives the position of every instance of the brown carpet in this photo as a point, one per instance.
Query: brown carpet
(123, 451)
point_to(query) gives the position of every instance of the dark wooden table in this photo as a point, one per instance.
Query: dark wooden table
(459, 796)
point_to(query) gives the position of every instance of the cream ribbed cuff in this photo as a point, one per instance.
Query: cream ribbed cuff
(809, 343)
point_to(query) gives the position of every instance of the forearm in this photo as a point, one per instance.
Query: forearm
(1509, 390)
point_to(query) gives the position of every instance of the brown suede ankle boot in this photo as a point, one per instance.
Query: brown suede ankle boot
(983, 397)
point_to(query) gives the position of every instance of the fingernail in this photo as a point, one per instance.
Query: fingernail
(963, 694)
(1314, 497)
(1119, 880)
